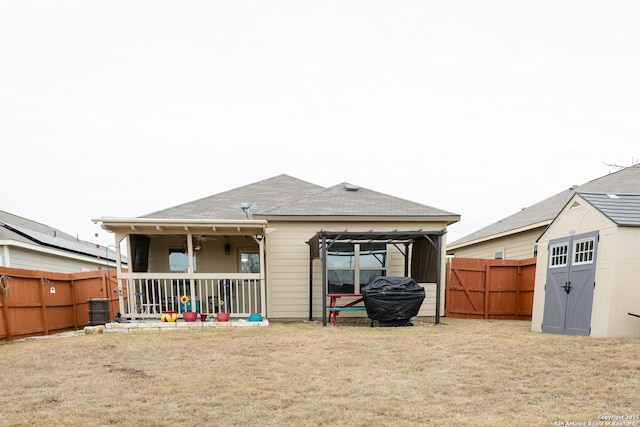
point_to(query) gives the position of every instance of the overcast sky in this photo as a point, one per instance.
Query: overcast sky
(122, 108)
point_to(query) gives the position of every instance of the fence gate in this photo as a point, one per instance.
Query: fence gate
(490, 289)
(568, 296)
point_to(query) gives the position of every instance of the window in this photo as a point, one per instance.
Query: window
(559, 255)
(249, 262)
(499, 255)
(583, 251)
(535, 250)
(351, 266)
(179, 261)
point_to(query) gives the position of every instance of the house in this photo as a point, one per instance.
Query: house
(31, 245)
(276, 247)
(515, 236)
(588, 271)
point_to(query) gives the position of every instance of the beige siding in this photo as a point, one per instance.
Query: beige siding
(33, 260)
(626, 279)
(617, 289)
(514, 246)
(288, 266)
(212, 259)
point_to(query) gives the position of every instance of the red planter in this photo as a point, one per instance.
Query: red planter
(223, 317)
(190, 316)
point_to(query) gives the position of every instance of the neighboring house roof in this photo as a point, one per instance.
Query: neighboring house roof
(18, 229)
(622, 209)
(283, 195)
(542, 213)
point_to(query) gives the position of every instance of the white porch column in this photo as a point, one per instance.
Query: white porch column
(263, 288)
(119, 238)
(192, 284)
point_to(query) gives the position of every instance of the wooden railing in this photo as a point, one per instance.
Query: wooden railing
(149, 294)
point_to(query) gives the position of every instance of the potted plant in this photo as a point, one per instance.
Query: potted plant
(222, 315)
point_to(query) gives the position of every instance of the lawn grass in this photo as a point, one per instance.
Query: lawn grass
(463, 372)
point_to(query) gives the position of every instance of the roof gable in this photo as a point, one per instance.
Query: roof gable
(542, 213)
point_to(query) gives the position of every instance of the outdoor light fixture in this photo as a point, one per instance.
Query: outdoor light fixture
(227, 249)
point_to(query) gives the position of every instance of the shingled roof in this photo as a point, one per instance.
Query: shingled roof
(261, 196)
(18, 229)
(284, 195)
(542, 213)
(622, 209)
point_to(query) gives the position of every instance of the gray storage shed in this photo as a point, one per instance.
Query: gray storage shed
(588, 270)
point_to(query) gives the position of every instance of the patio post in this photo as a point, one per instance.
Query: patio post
(192, 284)
(263, 290)
(119, 273)
(324, 280)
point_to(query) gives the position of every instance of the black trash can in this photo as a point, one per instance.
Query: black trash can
(392, 301)
(98, 311)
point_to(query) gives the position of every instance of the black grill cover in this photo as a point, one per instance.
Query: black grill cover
(393, 300)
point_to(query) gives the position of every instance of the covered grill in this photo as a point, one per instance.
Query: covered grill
(392, 301)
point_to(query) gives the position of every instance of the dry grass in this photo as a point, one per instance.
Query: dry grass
(464, 372)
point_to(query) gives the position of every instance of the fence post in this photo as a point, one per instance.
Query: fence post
(487, 294)
(43, 309)
(5, 307)
(74, 304)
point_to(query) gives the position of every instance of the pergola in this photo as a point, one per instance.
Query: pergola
(426, 257)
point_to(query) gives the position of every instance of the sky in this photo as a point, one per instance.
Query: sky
(122, 108)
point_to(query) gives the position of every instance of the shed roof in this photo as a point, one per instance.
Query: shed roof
(622, 209)
(542, 213)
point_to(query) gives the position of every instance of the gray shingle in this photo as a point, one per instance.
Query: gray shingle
(263, 195)
(350, 200)
(623, 181)
(622, 209)
(284, 195)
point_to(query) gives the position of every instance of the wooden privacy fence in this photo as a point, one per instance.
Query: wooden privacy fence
(490, 288)
(42, 303)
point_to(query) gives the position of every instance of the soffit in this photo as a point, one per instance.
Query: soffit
(182, 226)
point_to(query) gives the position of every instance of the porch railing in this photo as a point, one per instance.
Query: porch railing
(148, 294)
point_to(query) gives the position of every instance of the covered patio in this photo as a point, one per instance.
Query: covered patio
(422, 251)
(203, 266)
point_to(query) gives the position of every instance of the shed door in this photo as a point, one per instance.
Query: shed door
(570, 282)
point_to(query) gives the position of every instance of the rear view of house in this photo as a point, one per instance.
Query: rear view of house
(256, 249)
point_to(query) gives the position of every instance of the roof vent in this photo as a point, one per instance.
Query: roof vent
(351, 187)
(613, 196)
(245, 208)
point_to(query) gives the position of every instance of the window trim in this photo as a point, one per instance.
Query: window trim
(589, 252)
(564, 255)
